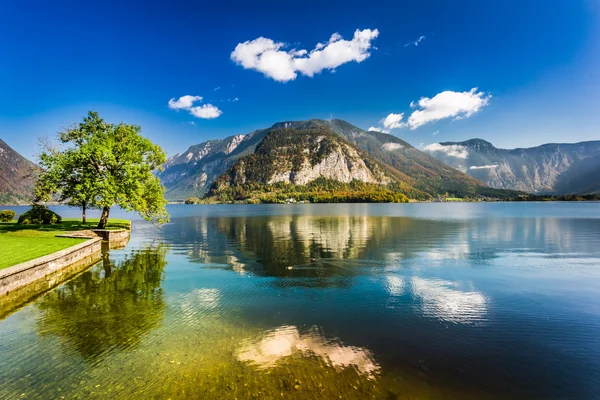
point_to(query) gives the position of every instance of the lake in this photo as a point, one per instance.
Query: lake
(419, 301)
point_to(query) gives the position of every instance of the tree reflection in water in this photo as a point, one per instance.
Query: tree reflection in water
(113, 305)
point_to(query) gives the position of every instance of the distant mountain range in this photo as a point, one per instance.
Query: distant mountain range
(550, 168)
(17, 176)
(298, 152)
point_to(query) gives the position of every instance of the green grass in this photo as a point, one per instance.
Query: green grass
(20, 243)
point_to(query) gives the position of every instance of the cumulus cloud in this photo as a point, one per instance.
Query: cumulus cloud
(377, 129)
(448, 104)
(452, 150)
(416, 42)
(391, 146)
(484, 166)
(392, 121)
(271, 58)
(184, 102)
(205, 111)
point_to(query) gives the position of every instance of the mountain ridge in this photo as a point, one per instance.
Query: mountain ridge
(423, 175)
(17, 176)
(550, 168)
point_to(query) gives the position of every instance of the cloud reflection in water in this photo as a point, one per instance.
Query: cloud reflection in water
(441, 299)
(285, 341)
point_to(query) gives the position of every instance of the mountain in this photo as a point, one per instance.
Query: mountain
(16, 176)
(427, 174)
(313, 164)
(192, 172)
(285, 152)
(551, 168)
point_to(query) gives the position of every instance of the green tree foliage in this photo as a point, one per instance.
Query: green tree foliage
(193, 200)
(6, 215)
(320, 190)
(104, 165)
(38, 215)
(566, 197)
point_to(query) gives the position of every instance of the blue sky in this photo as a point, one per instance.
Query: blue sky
(535, 63)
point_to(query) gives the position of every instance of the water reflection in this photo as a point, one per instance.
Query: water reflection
(286, 341)
(299, 245)
(358, 306)
(306, 246)
(112, 305)
(441, 299)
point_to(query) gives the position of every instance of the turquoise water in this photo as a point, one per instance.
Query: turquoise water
(428, 301)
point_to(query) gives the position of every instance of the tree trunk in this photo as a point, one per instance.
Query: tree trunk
(83, 217)
(103, 218)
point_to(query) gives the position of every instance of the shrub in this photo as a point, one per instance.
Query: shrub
(39, 215)
(6, 215)
(193, 200)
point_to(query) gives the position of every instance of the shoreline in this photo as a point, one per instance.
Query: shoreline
(21, 282)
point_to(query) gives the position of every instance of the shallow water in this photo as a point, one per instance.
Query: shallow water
(423, 301)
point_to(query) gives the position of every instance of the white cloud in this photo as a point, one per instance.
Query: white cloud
(453, 150)
(484, 166)
(267, 56)
(392, 121)
(391, 146)
(217, 88)
(234, 99)
(205, 111)
(416, 42)
(377, 129)
(184, 102)
(435, 133)
(446, 105)
(192, 123)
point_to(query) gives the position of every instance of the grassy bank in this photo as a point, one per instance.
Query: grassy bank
(20, 243)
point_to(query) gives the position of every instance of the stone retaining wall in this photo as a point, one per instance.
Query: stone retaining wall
(28, 272)
(23, 282)
(12, 301)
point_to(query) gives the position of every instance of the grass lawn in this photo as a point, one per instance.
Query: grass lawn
(20, 243)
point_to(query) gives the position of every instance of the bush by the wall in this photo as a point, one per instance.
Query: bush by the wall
(39, 215)
(6, 215)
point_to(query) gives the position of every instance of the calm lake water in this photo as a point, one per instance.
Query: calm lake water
(424, 301)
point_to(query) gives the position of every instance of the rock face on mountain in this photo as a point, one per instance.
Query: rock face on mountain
(370, 157)
(550, 168)
(423, 172)
(300, 156)
(16, 176)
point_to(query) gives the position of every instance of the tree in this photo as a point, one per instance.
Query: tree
(104, 165)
